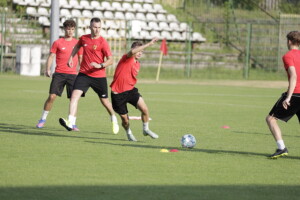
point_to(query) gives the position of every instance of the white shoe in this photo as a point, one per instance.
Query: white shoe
(66, 124)
(115, 127)
(150, 133)
(131, 137)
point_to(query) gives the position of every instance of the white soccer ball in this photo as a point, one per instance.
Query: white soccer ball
(188, 141)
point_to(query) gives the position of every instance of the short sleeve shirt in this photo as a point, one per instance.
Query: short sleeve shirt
(292, 58)
(63, 49)
(125, 76)
(94, 50)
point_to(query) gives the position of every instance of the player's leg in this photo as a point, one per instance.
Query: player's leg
(141, 105)
(126, 126)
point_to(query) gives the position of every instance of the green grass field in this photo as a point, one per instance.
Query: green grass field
(51, 163)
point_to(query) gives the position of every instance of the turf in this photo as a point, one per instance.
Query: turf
(52, 163)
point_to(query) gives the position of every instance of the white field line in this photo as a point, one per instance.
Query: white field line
(211, 94)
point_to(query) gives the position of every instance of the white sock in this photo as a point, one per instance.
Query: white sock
(280, 144)
(146, 126)
(45, 114)
(113, 118)
(128, 131)
(72, 119)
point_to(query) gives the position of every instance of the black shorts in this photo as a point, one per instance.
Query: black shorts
(99, 85)
(279, 112)
(59, 81)
(119, 101)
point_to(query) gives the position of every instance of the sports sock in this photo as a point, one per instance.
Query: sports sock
(146, 126)
(72, 119)
(128, 131)
(113, 118)
(45, 114)
(280, 144)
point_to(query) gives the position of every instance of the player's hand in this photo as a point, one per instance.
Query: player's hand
(286, 103)
(70, 63)
(48, 73)
(153, 41)
(96, 65)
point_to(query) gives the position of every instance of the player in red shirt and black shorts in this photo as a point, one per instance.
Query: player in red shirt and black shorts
(92, 73)
(123, 90)
(289, 103)
(64, 75)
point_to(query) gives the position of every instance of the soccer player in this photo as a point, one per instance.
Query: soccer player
(289, 103)
(64, 75)
(91, 74)
(123, 90)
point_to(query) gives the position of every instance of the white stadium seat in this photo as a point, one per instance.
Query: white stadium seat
(171, 18)
(138, 7)
(149, 1)
(31, 2)
(166, 35)
(129, 16)
(64, 4)
(95, 4)
(42, 11)
(154, 26)
(140, 16)
(76, 13)
(161, 17)
(174, 26)
(198, 37)
(80, 32)
(184, 26)
(164, 26)
(98, 14)
(119, 15)
(43, 20)
(150, 17)
(176, 35)
(87, 13)
(127, 6)
(145, 35)
(139, 1)
(106, 6)
(154, 34)
(108, 15)
(65, 12)
(145, 26)
(86, 5)
(80, 23)
(103, 33)
(75, 4)
(111, 33)
(159, 8)
(87, 31)
(86, 22)
(110, 24)
(117, 6)
(148, 7)
(122, 33)
(46, 3)
(31, 11)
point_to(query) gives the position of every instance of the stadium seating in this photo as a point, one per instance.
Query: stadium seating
(87, 14)
(42, 11)
(138, 7)
(75, 5)
(129, 16)
(151, 17)
(64, 4)
(86, 5)
(98, 13)
(154, 26)
(127, 7)
(106, 6)
(117, 6)
(76, 13)
(108, 15)
(95, 4)
(161, 17)
(119, 15)
(31, 11)
(140, 16)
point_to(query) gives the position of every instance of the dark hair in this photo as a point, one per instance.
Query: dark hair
(136, 44)
(95, 19)
(69, 23)
(294, 37)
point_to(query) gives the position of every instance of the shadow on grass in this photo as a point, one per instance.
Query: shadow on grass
(152, 192)
(257, 133)
(29, 130)
(213, 151)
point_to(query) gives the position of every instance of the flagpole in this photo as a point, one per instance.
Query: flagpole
(159, 66)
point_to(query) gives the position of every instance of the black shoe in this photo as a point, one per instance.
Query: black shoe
(279, 153)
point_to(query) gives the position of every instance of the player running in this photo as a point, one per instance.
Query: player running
(91, 74)
(64, 75)
(289, 103)
(123, 90)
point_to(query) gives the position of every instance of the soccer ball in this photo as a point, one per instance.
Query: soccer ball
(188, 141)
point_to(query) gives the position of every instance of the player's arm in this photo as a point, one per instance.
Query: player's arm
(49, 63)
(292, 85)
(74, 52)
(141, 48)
(109, 61)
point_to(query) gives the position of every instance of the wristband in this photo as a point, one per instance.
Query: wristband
(101, 64)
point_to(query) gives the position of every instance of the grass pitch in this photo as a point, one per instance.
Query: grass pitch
(52, 163)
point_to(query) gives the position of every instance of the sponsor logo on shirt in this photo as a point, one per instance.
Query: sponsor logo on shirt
(63, 48)
(85, 45)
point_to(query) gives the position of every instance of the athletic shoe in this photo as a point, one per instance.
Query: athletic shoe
(115, 127)
(150, 133)
(75, 128)
(131, 137)
(279, 153)
(66, 124)
(41, 123)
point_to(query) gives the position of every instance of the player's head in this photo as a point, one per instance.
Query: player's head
(293, 38)
(69, 27)
(135, 45)
(95, 26)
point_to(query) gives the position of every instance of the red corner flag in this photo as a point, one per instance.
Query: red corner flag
(163, 47)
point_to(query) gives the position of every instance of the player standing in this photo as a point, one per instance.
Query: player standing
(92, 73)
(289, 103)
(64, 75)
(123, 90)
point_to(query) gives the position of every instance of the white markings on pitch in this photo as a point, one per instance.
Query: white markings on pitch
(210, 94)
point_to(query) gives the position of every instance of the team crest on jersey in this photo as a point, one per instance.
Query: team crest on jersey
(94, 47)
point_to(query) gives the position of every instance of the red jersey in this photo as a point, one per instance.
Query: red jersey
(125, 74)
(63, 49)
(292, 58)
(94, 50)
